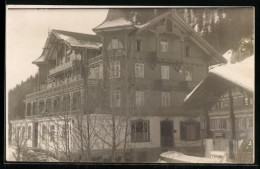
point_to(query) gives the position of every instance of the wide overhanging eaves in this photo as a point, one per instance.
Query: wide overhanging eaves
(207, 92)
(216, 57)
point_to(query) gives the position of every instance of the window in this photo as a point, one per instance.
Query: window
(35, 109)
(140, 131)
(212, 124)
(249, 122)
(165, 72)
(139, 98)
(166, 99)
(115, 69)
(56, 104)
(217, 105)
(189, 130)
(115, 44)
(29, 132)
(224, 103)
(66, 102)
(48, 105)
(76, 102)
(138, 45)
(63, 132)
(52, 133)
(188, 75)
(29, 109)
(164, 46)
(187, 51)
(217, 124)
(203, 124)
(251, 101)
(242, 123)
(139, 70)
(246, 101)
(115, 98)
(223, 124)
(44, 132)
(41, 107)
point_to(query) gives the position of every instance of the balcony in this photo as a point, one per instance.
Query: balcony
(64, 67)
(166, 84)
(60, 89)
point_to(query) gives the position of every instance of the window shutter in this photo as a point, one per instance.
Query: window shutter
(182, 130)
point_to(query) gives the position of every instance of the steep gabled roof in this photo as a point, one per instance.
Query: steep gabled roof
(79, 39)
(203, 44)
(72, 39)
(115, 23)
(219, 79)
(117, 20)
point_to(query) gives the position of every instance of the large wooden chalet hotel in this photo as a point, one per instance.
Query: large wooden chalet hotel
(118, 94)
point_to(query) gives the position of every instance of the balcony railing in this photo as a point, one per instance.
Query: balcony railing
(95, 59)
(64, 67)
(60, 68)
(60, 89)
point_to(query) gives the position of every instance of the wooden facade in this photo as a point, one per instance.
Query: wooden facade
(139, 71)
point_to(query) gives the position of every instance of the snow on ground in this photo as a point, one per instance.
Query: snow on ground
(182, 158)
(10, 154)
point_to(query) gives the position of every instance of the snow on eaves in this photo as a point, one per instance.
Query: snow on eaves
(114, 23)
(79, 43)
(240, 73)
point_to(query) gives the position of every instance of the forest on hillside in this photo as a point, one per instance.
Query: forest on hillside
(16, 96)
(223, 28)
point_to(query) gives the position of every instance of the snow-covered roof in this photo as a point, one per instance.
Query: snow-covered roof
(240, 74)
(118, 22)
(228, 55)
(79, 39)
(73, 39)
(41, 59)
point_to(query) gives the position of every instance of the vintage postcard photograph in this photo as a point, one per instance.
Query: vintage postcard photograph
(130, 84)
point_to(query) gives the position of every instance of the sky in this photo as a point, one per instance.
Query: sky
(27, 31)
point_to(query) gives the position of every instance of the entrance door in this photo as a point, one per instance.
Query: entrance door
(35, 135)
(167, 133)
